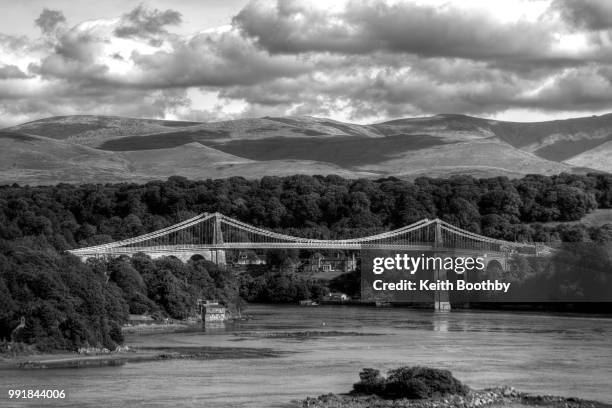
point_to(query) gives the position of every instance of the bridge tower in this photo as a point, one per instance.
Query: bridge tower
(218, 255)
(441, 298)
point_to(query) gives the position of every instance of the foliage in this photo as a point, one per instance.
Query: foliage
(313, 206)
(409, 382)
(577, 272)
(64, 303)
(67, 303)
(349, 283)
(280, 287)
(370, 382)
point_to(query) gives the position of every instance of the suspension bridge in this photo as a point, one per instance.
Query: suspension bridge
(210, 235)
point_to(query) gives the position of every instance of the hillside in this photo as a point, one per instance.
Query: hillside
(40, 160)
(599, 158)
(90, 148)
(197, 161)
(477, 158)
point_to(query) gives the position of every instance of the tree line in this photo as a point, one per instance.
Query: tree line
(67, 303)
(313, 206)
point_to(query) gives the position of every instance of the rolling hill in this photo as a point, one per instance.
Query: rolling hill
(90, 148)
(599, 158)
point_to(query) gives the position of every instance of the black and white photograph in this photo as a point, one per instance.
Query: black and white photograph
(306, 203)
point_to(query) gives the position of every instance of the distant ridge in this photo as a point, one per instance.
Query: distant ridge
(93, 148)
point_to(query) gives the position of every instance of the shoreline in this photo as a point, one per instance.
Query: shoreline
(157, 328)
(502, 397)
(140, 355)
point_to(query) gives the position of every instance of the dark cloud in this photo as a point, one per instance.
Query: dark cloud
(589, 14)
(366, 59)
(14, 43)
(74, 57)
(431, 86)
(143, 22)
(576, 89)
(49, 20)
(67, 98)
(215, 60)
(11, 72)
(387, 93)
(294, 27)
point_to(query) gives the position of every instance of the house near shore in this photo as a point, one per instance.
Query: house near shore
(249, 258)
(336, 297)
(211, 311)
(338, 263)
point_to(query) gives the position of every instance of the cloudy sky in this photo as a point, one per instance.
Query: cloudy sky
(360, 61)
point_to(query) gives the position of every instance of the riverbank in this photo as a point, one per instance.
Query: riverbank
(159, 328)
(537, 353)
(74, 360)
(494, 397)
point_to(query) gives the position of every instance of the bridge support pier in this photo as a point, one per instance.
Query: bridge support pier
(442, 306)
(218, 257)
(441, 298)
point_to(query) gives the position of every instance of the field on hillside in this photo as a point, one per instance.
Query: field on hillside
(597, 218)
(95, 148)
(342, 151)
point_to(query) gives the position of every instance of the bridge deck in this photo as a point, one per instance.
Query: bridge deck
(214, 232)
(237, 246)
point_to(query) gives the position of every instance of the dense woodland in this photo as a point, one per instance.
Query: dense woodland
(66, 303)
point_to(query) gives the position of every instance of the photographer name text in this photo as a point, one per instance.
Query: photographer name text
(438, 285)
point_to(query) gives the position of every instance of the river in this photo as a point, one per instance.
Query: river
(540, 353)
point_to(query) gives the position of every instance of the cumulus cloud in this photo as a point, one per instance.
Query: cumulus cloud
(11, 71)
(589, 14)
(143, 22)
(575, 89)
(215, 59)
(50, 20)
(294, 26)
(382, 92)
(363, 60)
(77, 56)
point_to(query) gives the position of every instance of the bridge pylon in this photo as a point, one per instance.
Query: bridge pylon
(218, 255)
(441, 297)
(217, 232)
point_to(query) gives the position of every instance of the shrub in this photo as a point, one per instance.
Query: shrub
(370, 382)
(115, 333)
(411, 388)
(409, 382)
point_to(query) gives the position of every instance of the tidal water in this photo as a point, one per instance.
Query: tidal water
(539, 353)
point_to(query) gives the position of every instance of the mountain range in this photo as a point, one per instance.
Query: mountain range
(93, 148)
